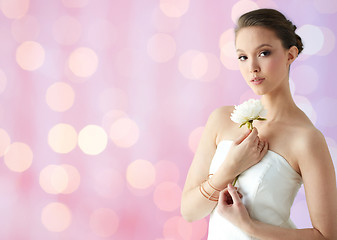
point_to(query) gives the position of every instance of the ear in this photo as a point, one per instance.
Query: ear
(292, 54)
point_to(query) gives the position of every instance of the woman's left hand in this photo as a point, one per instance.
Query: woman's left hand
(231, 207)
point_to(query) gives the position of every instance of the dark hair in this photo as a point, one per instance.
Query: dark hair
(275, 21)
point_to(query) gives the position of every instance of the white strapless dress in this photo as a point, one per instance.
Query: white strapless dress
(268, 188)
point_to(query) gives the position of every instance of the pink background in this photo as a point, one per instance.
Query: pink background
(102, 104)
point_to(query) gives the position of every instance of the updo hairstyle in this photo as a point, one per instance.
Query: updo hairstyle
(275, 21)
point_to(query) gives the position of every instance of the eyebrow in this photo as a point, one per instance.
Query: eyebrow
(261, 46)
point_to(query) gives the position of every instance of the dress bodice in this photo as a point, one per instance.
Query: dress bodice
(268, 188)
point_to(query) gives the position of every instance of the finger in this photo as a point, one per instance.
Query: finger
(242, 137)
(234, 194)
(253, 134)
(265, 148)
(222, 196)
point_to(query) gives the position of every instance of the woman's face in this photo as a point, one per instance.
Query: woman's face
(264, 62)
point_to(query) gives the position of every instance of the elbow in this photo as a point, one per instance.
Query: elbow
(186, 215)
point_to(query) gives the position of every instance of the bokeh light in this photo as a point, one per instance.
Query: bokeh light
(124, 132)
(140, 174)
(174, 8)
(56, 217)
(329, 41)
(67, 30)
(104, 222)
(194, 138)
(92, 139)
(30, 55)
(167, 196)
(241, 7)
(14, 9)
(163, 23)
(56, 179)
(5, 141)
(312, 37)
(25, 29)
(193, 64)
(60, 96)
(161, 47)
(228, 54)
(18, 157)
(53, 179)
(83, 62)
(62, 138)
(305, 105)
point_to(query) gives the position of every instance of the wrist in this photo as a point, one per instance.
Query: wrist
(250, 227)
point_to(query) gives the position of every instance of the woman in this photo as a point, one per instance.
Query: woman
(273, 159)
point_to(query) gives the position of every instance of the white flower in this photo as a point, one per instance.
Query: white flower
(247, 112)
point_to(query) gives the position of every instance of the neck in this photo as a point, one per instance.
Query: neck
(279, 104)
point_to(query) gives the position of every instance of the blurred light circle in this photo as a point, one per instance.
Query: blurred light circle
(242, 7)
(25, 29)
(164, 23)
(14, 9)
(140, 174)
(167, 196)
(62, 138)
(110, 117)
(161, 47)
(18, 157)
(92, 139)
(193, 64)
(306, 79)
(326, 112)
(56, 217)
(30, 55)
(167, 171)
(104, 222)
(194, 138)
(5, 141)
(75, 3)
(102, 34)
(83, 62)
(325, 6)
(53, 179)
(174, 8)
(329, 41)
(267, 4)
(3, 81)
(228, 56)
(67, 30)
(124, 132)
(312, 37)
(74, 178)
(60, 97)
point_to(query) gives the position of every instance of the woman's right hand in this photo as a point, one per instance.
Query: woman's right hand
(245, 152)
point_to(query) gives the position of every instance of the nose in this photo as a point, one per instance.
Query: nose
(254, 67)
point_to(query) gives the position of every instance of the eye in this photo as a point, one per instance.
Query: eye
(242, 58)
(264, 54)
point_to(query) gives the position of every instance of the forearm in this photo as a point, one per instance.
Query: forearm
(195, 205)
(263, 231)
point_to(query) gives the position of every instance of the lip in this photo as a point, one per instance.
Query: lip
(257, 80)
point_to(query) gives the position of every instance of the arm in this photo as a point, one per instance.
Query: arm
(194, 205)
(320, 187)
